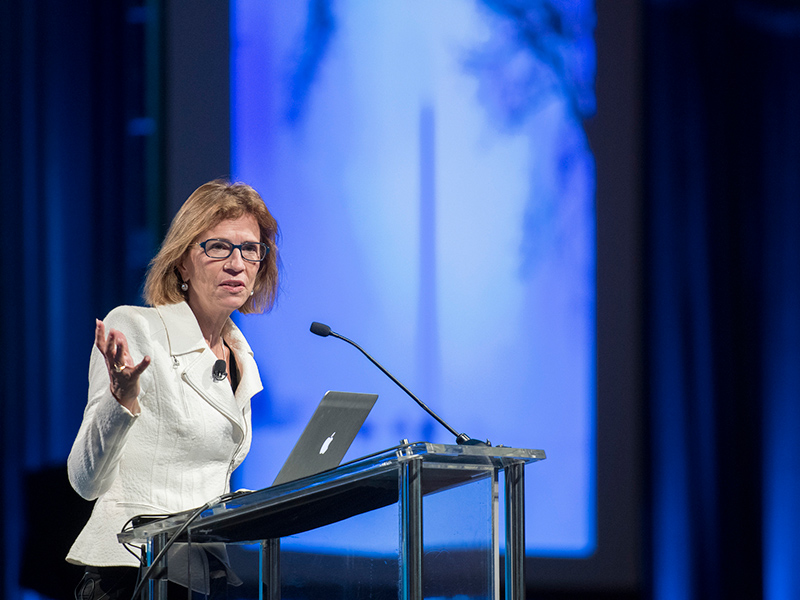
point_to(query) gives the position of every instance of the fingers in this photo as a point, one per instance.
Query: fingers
(107, 346)
(122, 372)
(121, 348)
(100, 335)
(114, 348)
(139, 369)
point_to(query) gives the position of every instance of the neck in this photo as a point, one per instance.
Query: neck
(211, 326)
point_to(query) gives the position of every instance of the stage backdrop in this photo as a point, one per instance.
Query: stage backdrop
(428, 167)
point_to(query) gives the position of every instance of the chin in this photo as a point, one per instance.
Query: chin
(234, 303)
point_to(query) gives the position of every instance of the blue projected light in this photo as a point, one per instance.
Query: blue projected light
(434, 187)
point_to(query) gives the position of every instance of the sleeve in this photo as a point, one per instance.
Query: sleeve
(93, 462)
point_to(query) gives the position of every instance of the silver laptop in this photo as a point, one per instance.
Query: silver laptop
(328, 435)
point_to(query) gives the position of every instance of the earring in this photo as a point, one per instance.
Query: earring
(252, 292)
(184, 286)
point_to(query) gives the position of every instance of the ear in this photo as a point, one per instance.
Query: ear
(182, 270)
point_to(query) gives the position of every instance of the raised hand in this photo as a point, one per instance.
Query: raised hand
(122, 372)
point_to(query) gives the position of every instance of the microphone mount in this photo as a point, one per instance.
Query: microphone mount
(462, 439)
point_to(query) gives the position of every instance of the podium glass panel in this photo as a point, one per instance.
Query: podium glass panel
(460, 541)
(424, 517)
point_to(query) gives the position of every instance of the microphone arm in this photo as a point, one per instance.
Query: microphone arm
(323, 330)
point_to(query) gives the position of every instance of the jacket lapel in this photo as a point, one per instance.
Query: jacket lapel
(249, 379)
(196, 360)
(217, 393)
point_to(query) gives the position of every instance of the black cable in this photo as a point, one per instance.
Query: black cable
(127, 545)
(139, 557)
(85, 590)
(146, 575)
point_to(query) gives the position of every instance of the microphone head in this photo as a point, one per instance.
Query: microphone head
(320, 329)
(219, 370)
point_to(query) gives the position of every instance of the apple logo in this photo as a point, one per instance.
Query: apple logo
(326, 443)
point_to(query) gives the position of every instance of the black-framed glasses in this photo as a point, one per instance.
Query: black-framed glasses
(252, 251)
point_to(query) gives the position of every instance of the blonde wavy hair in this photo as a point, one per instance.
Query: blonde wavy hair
(209, 205)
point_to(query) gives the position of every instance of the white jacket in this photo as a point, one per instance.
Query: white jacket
(179, 451)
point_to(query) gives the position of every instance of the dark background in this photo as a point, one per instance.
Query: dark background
(111, 113)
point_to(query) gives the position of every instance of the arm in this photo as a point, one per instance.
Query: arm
(113, 405)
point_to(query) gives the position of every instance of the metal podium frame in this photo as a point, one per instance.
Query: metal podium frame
(401, 475)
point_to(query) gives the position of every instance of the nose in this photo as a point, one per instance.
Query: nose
(235, 260)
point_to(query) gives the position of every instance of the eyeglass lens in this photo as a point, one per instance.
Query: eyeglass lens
(253, 251)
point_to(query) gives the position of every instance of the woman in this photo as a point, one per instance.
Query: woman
(164, 426)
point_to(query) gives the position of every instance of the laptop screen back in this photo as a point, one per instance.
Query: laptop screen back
(328, 435)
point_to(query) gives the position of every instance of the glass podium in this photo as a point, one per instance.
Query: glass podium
(417, 521)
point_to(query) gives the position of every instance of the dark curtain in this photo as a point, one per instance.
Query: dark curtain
(75, 237)
(723, 297)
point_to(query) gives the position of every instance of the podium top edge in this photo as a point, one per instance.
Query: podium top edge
(500, 452)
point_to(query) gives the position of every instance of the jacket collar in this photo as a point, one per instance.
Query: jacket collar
(185, 337)
(183, 332)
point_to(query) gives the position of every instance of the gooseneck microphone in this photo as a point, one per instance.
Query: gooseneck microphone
(463, 439)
